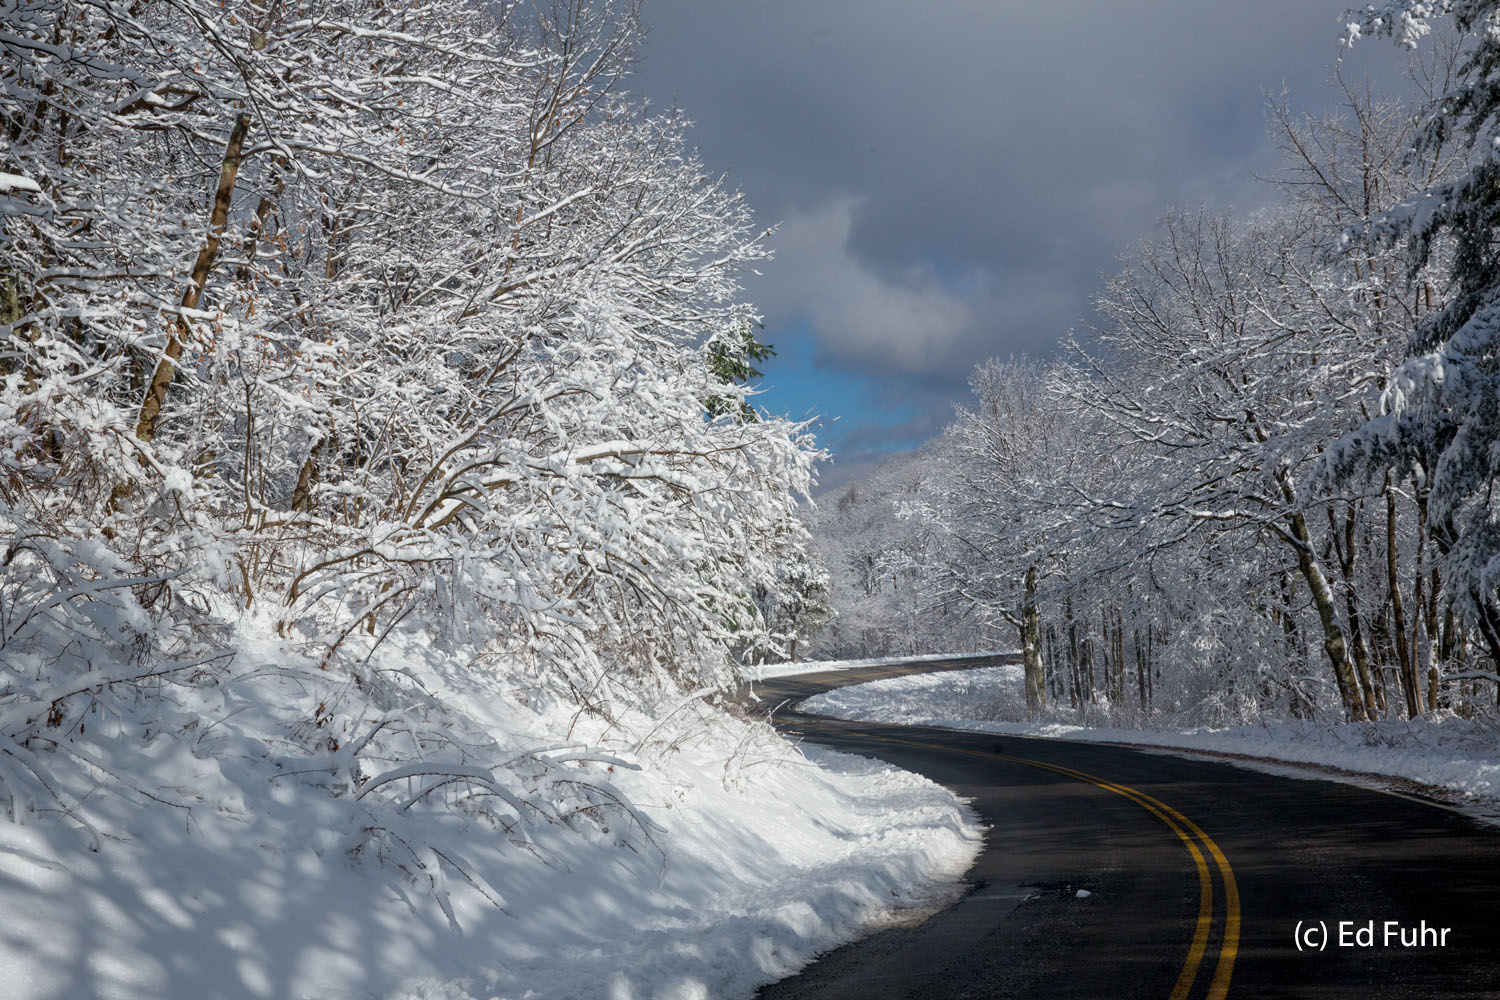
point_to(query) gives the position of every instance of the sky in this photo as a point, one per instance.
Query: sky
(951, 179)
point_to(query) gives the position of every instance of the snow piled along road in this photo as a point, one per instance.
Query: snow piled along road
(240, 878)
(1443, 752)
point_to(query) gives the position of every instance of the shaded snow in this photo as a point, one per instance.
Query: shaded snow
(247, 880)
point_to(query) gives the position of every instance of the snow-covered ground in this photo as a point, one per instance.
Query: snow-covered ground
(227, 862)
(763, 671)
(1444, 752)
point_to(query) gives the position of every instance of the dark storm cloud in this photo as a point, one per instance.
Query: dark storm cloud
(952, 177)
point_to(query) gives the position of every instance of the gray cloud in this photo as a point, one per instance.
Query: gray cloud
(953, 177)
(893, 323)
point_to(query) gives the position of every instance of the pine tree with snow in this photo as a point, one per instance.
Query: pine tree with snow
(1440, 416)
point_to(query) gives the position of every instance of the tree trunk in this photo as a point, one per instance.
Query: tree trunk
(1333, 633)
(1086, 664)
(1374, 698)
(1286, 619)
(1054, 675)
(156, 389)
(1140, 669)
(1075, 675)
(1150, 663)
(307, 478)
(1393, 585)
(1031, 651)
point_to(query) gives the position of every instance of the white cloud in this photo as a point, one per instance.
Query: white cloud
(909, 322)
(914, 322)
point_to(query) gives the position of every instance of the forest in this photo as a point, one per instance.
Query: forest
(1259, 485)
(339, 323)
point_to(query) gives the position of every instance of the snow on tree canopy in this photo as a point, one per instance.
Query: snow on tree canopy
(1441, 414)
(361, 318)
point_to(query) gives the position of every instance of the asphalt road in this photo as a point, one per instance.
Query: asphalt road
(1195, 878)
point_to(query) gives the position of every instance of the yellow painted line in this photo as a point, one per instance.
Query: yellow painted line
(1231, 946)
(1170, 817)
(1229, 949)
(1182, 827)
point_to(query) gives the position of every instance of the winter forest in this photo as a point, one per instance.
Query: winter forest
(381, 472)
(1260, 485)
(359, 315)
(335, 329)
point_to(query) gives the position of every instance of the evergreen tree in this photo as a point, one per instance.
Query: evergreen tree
(1440, 416)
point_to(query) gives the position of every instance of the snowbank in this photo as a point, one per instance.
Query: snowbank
(1444, 752)
(225, 868)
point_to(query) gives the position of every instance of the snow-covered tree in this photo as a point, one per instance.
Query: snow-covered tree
(1440, 416)
(1176, 522)
(879, 542)
(361, 318)
(1007, 451)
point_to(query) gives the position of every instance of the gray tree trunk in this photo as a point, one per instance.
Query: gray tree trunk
(1031, 649)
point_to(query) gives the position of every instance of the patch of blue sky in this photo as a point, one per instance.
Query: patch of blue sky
(845, 403)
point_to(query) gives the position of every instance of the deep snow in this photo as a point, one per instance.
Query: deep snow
(230, 863)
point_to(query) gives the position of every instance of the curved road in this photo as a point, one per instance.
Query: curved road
(1113, 873)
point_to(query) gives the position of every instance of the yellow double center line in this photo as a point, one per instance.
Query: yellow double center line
(1191, 835)
(1186, 830)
